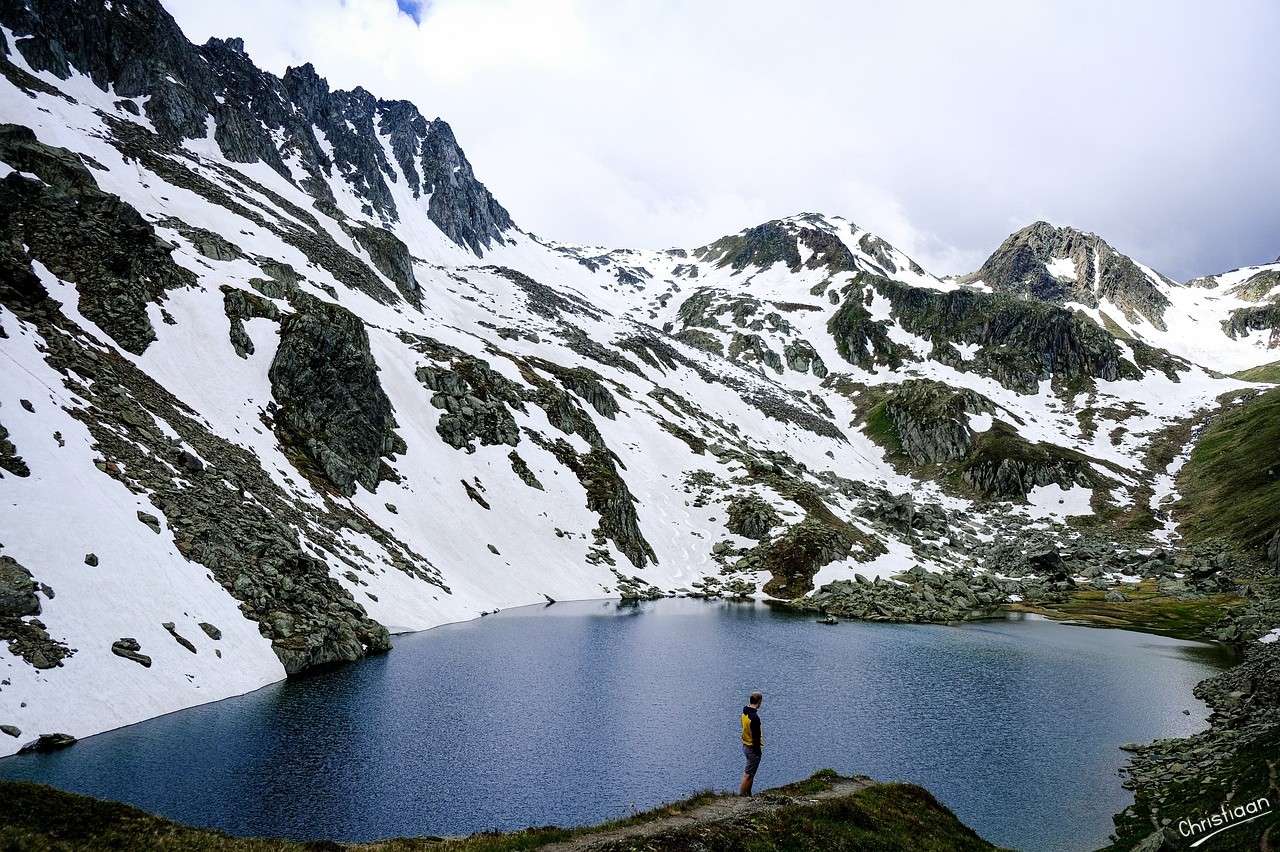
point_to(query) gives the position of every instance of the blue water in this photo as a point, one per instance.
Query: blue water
(580, 712)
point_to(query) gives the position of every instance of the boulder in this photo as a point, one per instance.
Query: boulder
(46, 743)
(129, 648)
(1046, 560)
(18, 596)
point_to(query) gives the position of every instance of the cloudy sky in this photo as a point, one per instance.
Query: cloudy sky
(941, 126)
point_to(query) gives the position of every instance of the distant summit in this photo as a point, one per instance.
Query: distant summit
(1063, 265)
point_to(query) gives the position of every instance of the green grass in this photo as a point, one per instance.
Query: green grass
(880, 429)
(1146, 610)
(883, 818)
(1231, 484)
(1263, 373)
(1113, 327)
(879, 817)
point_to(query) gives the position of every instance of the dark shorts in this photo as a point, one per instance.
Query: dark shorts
(753, 759)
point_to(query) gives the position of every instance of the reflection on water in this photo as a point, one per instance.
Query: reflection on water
(580, 712)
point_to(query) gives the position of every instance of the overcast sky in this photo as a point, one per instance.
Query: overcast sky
(941, 126)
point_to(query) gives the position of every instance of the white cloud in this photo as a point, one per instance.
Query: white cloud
(942, 126)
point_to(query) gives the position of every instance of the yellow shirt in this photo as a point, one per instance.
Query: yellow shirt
(751, 735)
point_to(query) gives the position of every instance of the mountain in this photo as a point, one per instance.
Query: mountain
(284, 378)
(1063, 265)
(1229, 322)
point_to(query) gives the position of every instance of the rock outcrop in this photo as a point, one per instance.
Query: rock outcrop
(86, 237)
(330, 403)
(930, 422)
(23, 632)
(1018, 342)
(1063, 265)
(751, 517)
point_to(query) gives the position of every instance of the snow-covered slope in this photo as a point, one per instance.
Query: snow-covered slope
(281, 377)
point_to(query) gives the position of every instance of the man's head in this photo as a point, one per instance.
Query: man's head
(756, 699)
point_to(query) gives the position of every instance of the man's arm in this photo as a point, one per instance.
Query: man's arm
(755, 731)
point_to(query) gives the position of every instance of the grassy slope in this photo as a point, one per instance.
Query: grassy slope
(1231, 484)
(1145, 609)
(1263, 373)
(879, 817)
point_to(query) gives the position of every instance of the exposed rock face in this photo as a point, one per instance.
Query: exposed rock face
(526, 361)
(331, 405)
(794, 557)
(1003, 464)
(1192, 775)
(129, 648)
(9, 458)
(931, 420)
(1062, 265)
(919, 596)
(257, 116)
(250, 546)
(19, 628)
(885, 257)
(47, 742)
(240, 305)
(607, 492)
(1244, 321)
(862, 340)
(178, 637)
(803, 358)
(521, 469)
(460, 205)
(18, 596)
(475, 400)
(1019, 342)
(391, 257)
(751, 517)
(583, 382)
(85, 236)
(761, 247)
(780, 241)
(1273, 551)
(1259, 286)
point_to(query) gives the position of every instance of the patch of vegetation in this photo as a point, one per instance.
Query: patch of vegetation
(1146, 610)
(1231, 484)
(1114, 327)
(882, 817)
(875, 817)
(1262, 373)
(880, 429)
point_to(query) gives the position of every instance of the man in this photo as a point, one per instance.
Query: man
(752, 741)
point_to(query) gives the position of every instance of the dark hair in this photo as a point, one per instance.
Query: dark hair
(756, 698)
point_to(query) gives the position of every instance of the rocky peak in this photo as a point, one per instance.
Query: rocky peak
(1062, 264)
(135, 49)
(808, 241)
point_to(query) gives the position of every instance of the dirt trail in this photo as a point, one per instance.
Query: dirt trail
(722, 809)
